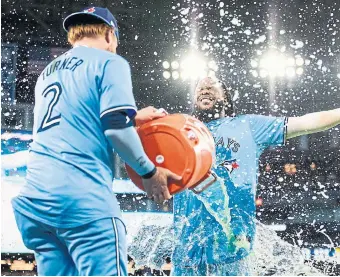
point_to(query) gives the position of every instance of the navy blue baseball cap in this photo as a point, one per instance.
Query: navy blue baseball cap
(92, 15)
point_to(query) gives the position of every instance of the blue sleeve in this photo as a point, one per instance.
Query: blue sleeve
(268, 130)
(127, 144)
(116, 89)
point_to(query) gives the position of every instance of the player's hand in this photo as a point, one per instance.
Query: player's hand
(157, 186)
(149, 113)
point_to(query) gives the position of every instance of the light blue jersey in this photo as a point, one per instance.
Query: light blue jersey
(218, 225)
(69, 176)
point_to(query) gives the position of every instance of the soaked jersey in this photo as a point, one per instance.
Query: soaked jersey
(218, 225)
(69, 176)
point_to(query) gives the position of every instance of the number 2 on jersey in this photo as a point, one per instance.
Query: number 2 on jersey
(48, 121)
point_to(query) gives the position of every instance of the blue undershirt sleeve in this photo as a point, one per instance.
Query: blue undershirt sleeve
(127, 144)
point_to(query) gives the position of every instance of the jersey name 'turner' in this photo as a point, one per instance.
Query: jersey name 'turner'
(70, 63)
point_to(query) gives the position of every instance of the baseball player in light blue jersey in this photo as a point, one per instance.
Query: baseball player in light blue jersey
(214, 230)
(84, 108)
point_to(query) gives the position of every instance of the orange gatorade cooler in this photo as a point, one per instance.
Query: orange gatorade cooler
(182, 144)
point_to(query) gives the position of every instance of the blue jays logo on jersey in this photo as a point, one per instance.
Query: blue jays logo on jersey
(224, 159)
(230, 165)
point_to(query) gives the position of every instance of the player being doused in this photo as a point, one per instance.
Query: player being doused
(214, 230)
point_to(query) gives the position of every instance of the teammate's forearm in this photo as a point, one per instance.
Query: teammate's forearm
(127, 144)
(312, 123)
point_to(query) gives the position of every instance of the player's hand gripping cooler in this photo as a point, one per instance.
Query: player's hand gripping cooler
(182, 144)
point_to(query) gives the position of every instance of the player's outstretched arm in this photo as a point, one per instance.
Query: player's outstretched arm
(312, 123)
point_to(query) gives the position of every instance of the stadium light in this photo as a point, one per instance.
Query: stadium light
(166, 65)
(291, 62)
(192, 67)
(175, 75)
(299, 61)
(166, 74)
(299, 71)
(275, 64)
(255, 73)
(175, 65)
(290, 72)
(253, 63)
(263, 73)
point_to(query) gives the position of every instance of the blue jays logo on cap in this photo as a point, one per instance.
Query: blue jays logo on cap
(90, 10)
(92, 15)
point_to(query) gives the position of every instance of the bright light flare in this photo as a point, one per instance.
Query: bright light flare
(175, 75)
(212, 74)
(255, 73)
(212, 65)
(166, 74)
(290, 72)
(263, 73)
(166, 65)
(175, 65)
(299, 71)
(277, 64)
(253, 63)
(274, 63)
(290, 62)
(299, 61)
(193, 67)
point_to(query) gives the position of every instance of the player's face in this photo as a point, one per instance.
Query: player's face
(208, 93)
(209, 100)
